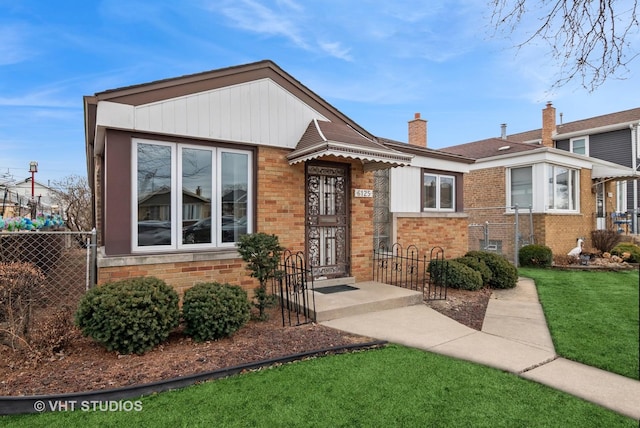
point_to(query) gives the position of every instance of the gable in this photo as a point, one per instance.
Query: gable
(256, 112)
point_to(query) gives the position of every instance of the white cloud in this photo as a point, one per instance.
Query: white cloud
(255, 17)
(13, 44)
(336, 50)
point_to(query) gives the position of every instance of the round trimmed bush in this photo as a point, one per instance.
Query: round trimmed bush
(503, 273)
(477, 265)
(455, 275)
(535, 256)
(212, 311)
(632, 252)
(129, 316)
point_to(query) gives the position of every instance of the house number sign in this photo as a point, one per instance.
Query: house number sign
(363, 193)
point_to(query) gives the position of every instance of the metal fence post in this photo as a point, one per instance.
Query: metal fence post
(516, 237)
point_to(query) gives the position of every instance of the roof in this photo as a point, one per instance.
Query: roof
(585, 125)
(489, 148)
(323, 138)
(424, 151)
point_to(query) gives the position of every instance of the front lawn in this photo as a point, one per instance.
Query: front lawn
(592, 316)
(393, 386)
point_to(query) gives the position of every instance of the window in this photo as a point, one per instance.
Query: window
(562, 188)
(621, 196)
(189, 196)
(438, 192)
(579, 146)
(521, 186)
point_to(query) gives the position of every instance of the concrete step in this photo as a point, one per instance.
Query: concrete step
(367, 297)
(319, 283)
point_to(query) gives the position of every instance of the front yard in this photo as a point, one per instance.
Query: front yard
(592, 315)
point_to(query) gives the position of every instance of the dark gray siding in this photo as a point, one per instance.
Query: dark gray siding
(563, 145)
(614, 146)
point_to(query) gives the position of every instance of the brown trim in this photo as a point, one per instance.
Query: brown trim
(459, 177)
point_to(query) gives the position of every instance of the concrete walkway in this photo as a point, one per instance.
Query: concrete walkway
(514, 338)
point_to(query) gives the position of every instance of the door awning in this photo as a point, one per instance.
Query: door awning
(613, 172)
(322, 139)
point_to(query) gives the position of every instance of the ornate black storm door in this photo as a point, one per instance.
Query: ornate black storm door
(327, 213)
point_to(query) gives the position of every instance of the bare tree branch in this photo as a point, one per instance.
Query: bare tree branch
(591, 40)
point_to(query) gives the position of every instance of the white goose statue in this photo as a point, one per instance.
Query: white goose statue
(578, 250)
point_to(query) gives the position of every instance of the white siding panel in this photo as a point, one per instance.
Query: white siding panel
(155, 117)
(168, 124)
(115, 115)
(180, 116)
(258, 112)
(224, 113)
(405, 188)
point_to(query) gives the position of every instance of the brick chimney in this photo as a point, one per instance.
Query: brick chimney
(548, 125)
(418, 131)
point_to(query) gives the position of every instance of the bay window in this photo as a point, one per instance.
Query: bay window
(188, 196)
(562, 187)
(521, 186)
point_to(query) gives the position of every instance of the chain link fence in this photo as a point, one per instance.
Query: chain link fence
(66, 260)
(502, 230)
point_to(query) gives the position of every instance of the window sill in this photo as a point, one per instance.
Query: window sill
(432, 214)
(152, 259)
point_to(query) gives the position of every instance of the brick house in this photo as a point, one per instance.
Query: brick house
(559, 186)
(612, 137)
(180, 168)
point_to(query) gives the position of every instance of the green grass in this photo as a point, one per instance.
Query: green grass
(393, 386)
(592, 316)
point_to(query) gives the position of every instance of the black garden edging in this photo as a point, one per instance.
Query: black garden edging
(90, 399)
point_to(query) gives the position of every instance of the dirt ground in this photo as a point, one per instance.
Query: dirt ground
(86, 366)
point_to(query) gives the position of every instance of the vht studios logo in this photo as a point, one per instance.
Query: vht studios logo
(87, 406)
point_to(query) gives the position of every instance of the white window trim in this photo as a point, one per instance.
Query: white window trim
(510, 205)
(453, 192)
(176, 207)
(572, 210)
(586, 144)
(621, 196)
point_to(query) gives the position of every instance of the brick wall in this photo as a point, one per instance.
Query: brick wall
(280, 210)
(450, 233)
(184, 275)
(485, 188)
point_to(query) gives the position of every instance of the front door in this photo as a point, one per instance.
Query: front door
(327, 214)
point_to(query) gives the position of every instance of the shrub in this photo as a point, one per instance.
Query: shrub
(20, 286)
(628, 251)
(535, 255)
(212, 311)
(262, 253)
(604, 240)
(503, 273)
(53, 333)
(455, 275)
(477, 265)
(129, 316)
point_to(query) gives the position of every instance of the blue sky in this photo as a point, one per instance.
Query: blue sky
(377, 62)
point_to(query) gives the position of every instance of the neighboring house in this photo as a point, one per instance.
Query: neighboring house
(17, 197)
(559, 186)
(271, 156)
(612, 137)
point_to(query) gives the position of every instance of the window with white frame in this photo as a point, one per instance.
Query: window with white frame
(188, 196)
(562, 188)
(579, 146)
(621, 196)
(521, 186)
(438, 192)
